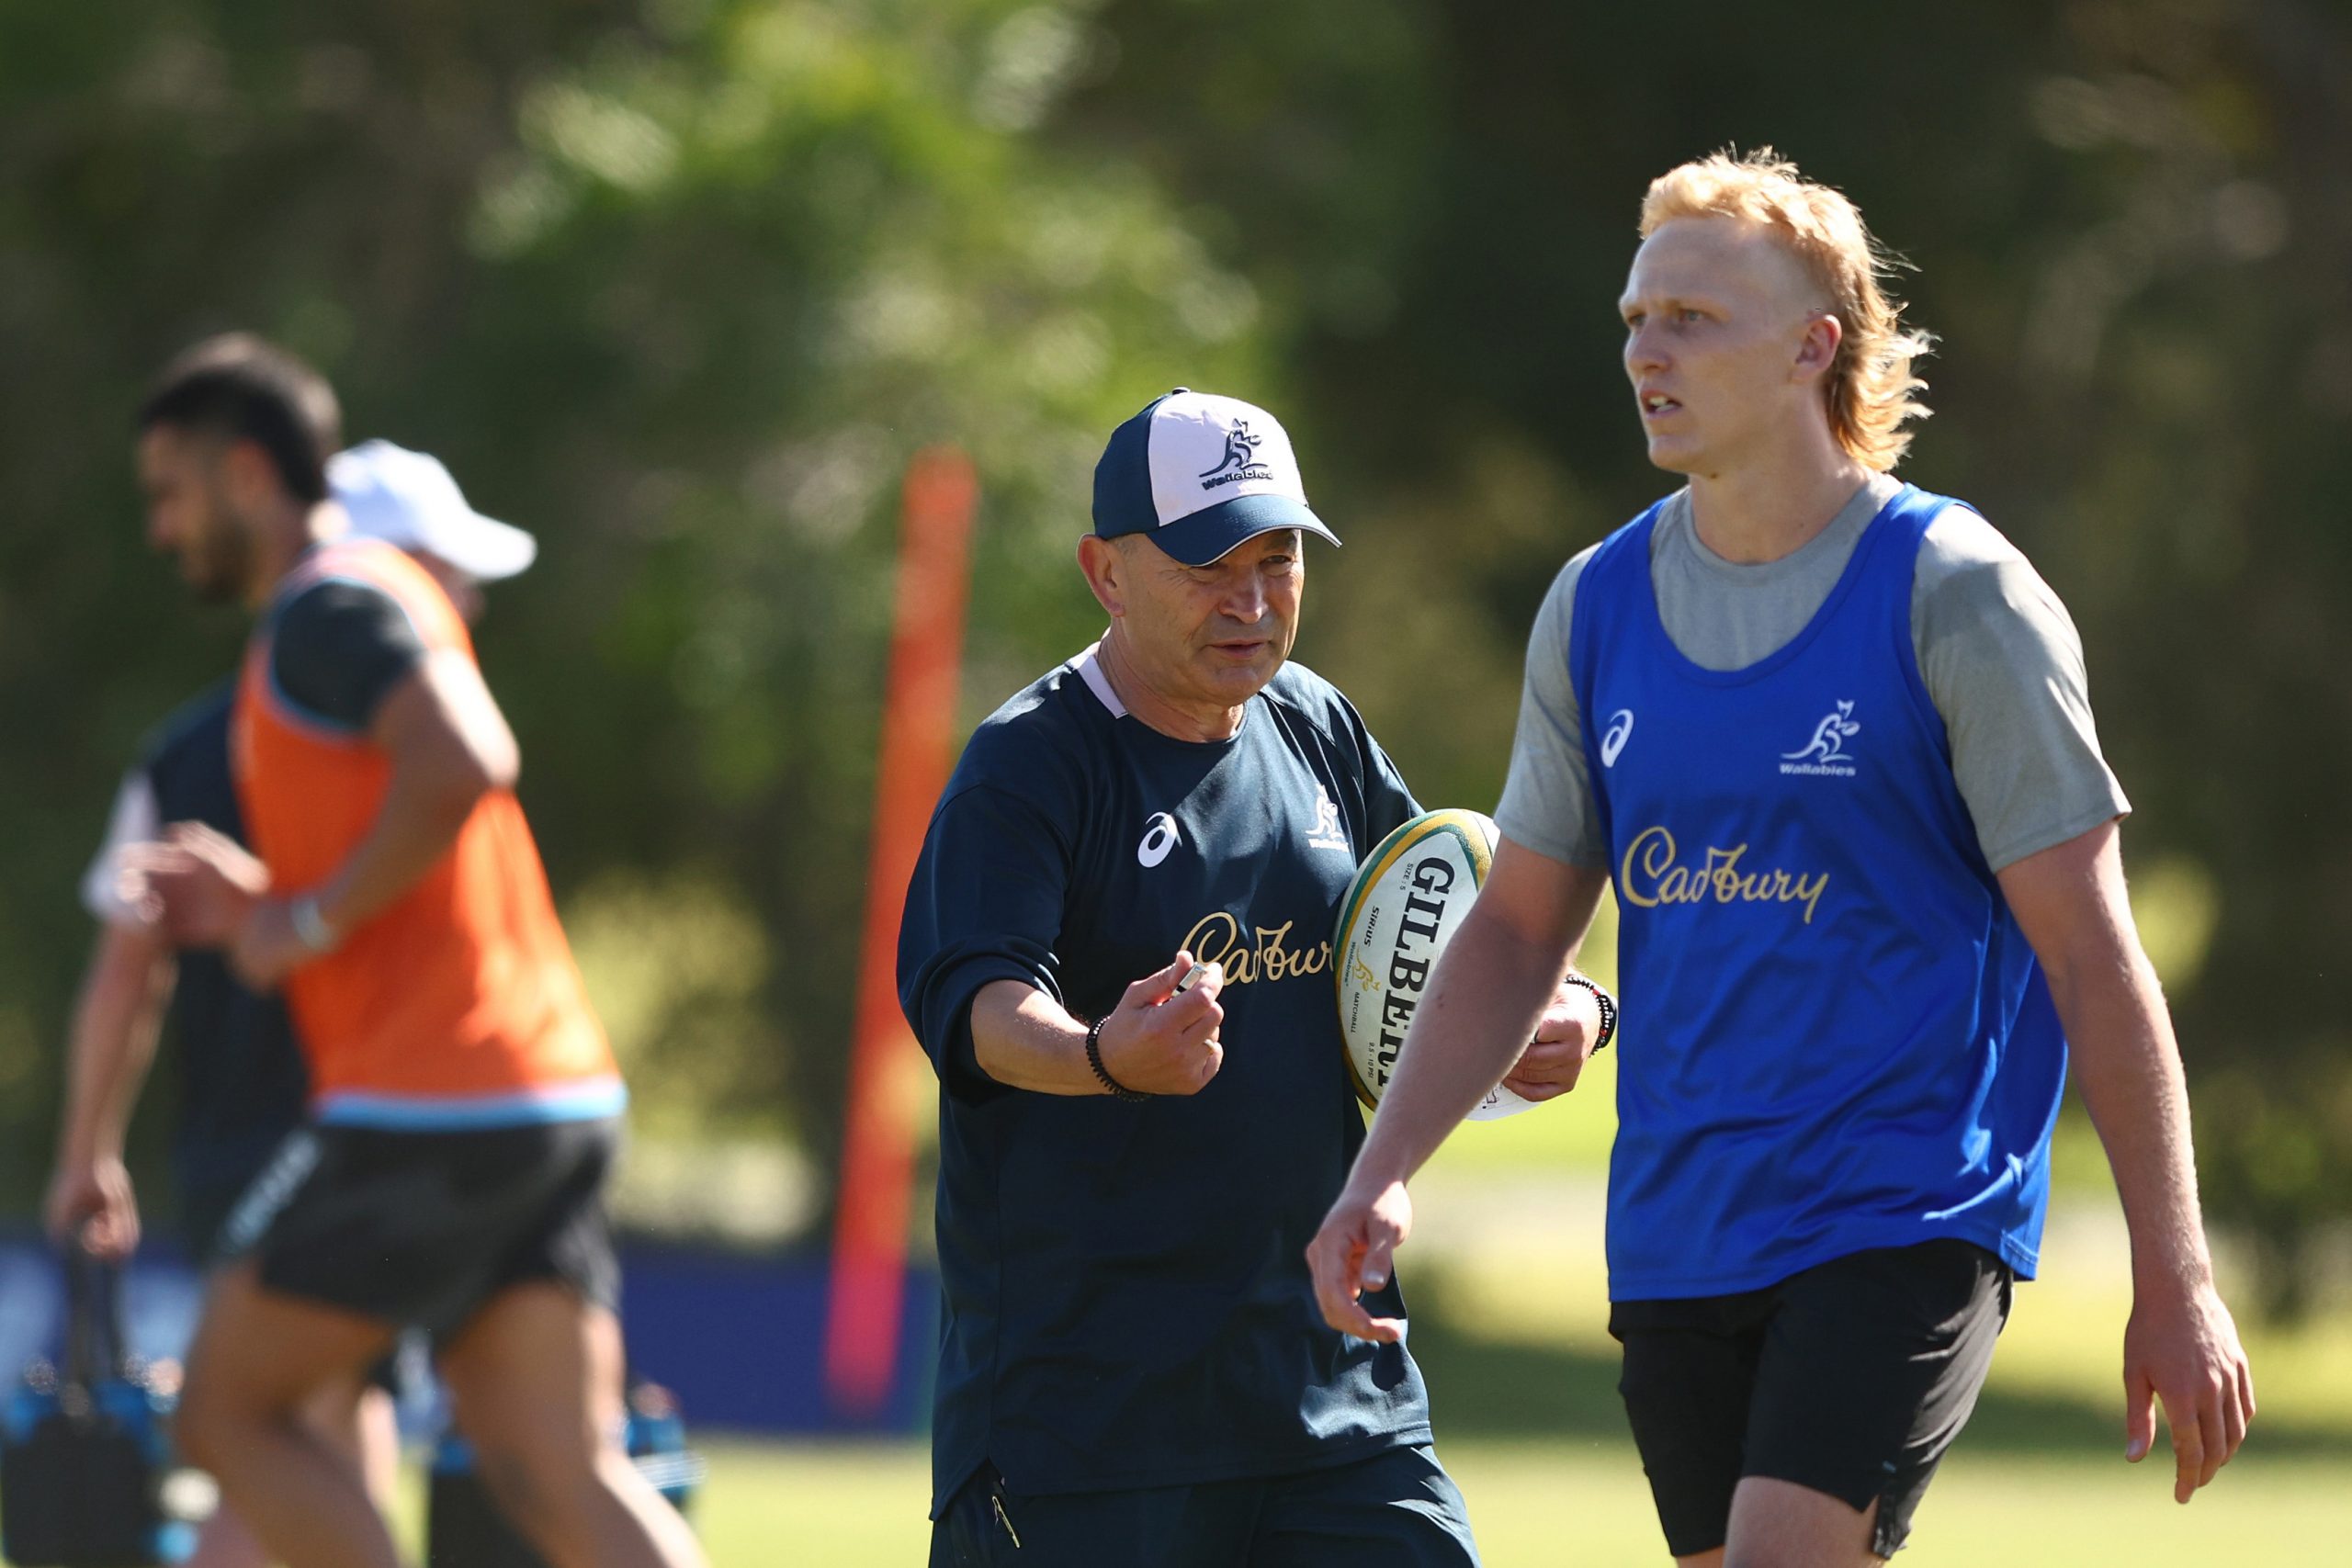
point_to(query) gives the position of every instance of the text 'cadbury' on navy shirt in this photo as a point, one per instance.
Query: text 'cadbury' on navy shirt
(1128, 1302)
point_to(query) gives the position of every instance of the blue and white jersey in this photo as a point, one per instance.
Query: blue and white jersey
(1838, 1038)
(1128, 1302)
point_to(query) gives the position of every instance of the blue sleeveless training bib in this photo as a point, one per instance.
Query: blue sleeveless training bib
(1836, 1037)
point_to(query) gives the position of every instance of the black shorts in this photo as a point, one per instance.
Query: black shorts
(417, 1230)
(204, 1214)
(1395, 1509)
(1851, 1378)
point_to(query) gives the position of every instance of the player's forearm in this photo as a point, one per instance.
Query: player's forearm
(1488, 991)
(449, 747)
(425, 805)
(115, 1024)
(2128, 1066)
(1023, 1039)
(2071, 902)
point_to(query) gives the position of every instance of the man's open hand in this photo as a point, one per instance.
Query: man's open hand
(1354, 1252)
(2181, 1348)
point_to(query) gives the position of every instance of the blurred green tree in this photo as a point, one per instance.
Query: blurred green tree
(680, 285)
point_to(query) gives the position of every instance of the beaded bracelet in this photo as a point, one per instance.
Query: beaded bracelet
(1607, 1003)
(1095, 1059)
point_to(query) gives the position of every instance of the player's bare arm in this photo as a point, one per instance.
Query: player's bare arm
(1157, 1041)
(449, 745)
(1489, 990)
(90, 1194)
(2181, 1346)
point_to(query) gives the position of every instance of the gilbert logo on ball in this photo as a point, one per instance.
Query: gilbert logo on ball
(1406, 901)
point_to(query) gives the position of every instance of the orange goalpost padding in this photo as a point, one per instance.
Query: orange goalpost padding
(887, 1076)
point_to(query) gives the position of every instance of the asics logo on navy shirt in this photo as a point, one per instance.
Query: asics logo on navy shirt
(1826, 753)
(1613, 739)
(1159, 838)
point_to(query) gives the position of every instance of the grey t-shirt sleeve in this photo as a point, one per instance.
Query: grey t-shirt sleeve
(2003, 667)
(1547, 801)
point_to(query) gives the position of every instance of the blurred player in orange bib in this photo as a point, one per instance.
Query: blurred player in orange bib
(242, 1085)
(465, 1106)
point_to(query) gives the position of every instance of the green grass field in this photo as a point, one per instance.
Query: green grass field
(1509, 1294)
(1522, 1379)
(1552, 1502)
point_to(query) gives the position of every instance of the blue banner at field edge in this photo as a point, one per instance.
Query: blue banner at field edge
(738, 1337)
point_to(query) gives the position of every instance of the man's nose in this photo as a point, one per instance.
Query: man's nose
(1642, 350)
(1246, 600)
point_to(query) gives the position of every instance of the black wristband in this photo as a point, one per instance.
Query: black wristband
(1607, 1003)
(1095, 1059)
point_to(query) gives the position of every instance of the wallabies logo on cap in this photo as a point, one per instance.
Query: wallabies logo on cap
(1240, 458)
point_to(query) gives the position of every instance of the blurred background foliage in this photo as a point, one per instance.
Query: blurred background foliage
(680, 284)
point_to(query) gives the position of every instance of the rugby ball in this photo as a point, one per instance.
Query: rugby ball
(1408, 898)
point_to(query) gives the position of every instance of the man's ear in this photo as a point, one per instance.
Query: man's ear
(247, 478)
(1817, 349)
(1105, 566)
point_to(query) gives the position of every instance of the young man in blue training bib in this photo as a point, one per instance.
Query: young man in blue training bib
(1830, 736)
(1133, 1371)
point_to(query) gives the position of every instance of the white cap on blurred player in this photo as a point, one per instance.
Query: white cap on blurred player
(408, 499)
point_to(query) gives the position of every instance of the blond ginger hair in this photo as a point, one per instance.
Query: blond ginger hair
(1872, 392)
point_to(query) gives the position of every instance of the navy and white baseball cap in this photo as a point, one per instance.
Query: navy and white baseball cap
(409, 499)
(1200, 473)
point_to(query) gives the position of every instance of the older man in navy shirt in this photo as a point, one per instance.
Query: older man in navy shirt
(1134, 1370)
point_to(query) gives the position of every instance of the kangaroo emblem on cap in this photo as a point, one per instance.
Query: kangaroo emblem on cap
(1240, 450)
